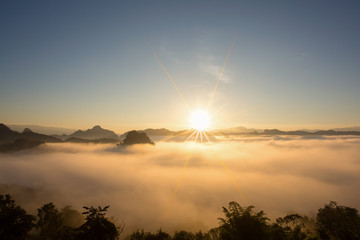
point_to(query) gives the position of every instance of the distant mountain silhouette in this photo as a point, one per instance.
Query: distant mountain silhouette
(20, 144)
(7, 135)
(235, 131)
(43, 129)
(305, 133)
(101, 140)
(157, 132)
(347, 129)
(94, 133)
(136, 137)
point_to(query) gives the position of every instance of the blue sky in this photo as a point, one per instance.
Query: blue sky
(80, 63)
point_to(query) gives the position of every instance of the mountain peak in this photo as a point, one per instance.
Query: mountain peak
(27, 130)
(4, 127)
(96, 132)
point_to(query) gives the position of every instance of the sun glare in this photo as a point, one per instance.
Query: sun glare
(200, 120)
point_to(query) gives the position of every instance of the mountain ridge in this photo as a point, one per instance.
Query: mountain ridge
(97, 132)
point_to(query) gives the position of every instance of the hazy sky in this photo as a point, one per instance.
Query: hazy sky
(81, 63)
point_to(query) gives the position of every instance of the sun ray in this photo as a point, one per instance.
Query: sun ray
(178, 183)
(222, 70)
(177, 135)
(197, 134)
(211, 134)
(170, 78)
(190, 135)
(208, 140)
(233, 180)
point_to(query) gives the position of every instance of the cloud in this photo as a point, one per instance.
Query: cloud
(214, 71)
(277, 175)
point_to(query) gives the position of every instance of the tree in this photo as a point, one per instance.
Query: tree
(97, 226)
(15, 223)
(338, 222)
(71, 217)
(242, 223)
(289, 227)
(183, 235)
(49, 222)
(141, 235)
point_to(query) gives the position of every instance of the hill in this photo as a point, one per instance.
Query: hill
(7, 135)
(20, 144)
(94, 133)
(42, 129)
(136, 137)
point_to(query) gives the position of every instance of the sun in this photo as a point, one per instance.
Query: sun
(200, 120)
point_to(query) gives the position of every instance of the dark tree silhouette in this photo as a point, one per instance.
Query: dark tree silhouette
(289, 227)
(338, 222)
(97, 226)
(51, 224)
(242, 223)
(137, 235)
(14, 221)
(71, 217)
(141, 235)
(183, 235)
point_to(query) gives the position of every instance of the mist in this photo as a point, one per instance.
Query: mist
(279, 175)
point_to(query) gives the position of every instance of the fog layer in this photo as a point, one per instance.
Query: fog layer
(277, 175)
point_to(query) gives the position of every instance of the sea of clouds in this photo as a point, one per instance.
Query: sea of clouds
(279, 175)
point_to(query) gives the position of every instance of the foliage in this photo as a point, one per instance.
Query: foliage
(333, 222)
(141, 235)
(71, 217)
(243, 223)
(289, 227)
(15, 223)
(338, 222)
(183, 235)
(49, 222)
(97, 226)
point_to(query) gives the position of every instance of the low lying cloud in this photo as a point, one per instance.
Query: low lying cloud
(277, 175)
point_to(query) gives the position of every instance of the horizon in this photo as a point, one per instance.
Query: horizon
(18, 126)
(191, 67)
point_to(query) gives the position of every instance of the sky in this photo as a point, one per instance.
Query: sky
(83, 63)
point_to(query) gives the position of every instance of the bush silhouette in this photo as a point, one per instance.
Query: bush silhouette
(338, 222)
(15, 223)
(243, 223)
(333, 222)
(97, 226)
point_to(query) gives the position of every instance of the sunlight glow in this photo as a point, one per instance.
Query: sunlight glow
(200, 120)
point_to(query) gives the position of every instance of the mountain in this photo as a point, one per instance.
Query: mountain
(101, 140)
(347, 129)
(20, 144)
(42, 129)
(136, 137)
(235, 131)
(28, 134)
(94, 133)
(7, 135)
(157, 132)
(305, 133)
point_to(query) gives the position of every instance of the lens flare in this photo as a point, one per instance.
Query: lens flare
(200, 120)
